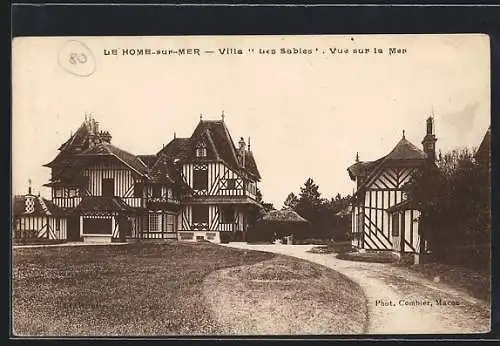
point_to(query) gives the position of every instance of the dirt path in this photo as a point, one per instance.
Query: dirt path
(400, 302)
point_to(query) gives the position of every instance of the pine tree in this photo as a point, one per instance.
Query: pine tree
(291, 201)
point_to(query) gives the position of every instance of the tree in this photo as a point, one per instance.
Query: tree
(309, 206)
(291, 201)
(454, 199)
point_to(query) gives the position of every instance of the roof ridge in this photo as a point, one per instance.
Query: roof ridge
(233, 147)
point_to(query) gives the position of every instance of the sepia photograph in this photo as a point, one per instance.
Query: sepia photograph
(269, 185)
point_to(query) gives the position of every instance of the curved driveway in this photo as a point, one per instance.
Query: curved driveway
(399, 301)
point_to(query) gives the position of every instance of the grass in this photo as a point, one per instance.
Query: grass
(134, 289)
(286, 296)
(370, 256)
(475, 283)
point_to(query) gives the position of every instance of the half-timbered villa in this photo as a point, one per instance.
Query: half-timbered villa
(36, 217)
(196, 188)
(382, 218)
(222, 179)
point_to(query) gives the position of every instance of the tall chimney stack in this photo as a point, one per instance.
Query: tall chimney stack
(429, 141)
(242, 150)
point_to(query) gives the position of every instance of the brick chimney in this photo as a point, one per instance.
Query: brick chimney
(241, 151)
(429, 141)
(105, 136)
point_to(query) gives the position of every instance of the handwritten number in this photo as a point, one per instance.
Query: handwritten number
(77, 58)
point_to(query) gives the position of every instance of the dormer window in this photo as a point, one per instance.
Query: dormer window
(201, 150)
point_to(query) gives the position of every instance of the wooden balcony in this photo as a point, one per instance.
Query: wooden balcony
(67, 202)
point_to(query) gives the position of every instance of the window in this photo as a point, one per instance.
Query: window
(138, 188)
(201, 150)
(200, 214)
(108, 187)
(156, 190)
(200, 179)
(58, 192)
(395, 225)
(154, 222)
(72, 193)
(170, 222)
(228, 214)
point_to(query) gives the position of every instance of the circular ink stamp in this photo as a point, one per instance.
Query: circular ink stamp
(76, 58)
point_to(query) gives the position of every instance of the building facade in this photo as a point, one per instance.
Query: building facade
(382, 218)
(198, 188)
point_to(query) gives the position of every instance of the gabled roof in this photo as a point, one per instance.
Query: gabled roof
(403, 154)
(107, 149)
(220, 146)
(42, 206)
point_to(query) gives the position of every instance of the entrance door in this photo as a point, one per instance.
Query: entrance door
(73, 228)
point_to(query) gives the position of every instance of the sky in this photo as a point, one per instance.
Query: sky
(307, 114)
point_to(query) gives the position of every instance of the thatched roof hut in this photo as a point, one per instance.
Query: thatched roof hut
(279, 223)
(284, 216)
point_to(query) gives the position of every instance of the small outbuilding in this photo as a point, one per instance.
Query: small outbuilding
(278, 224)
(36, 217)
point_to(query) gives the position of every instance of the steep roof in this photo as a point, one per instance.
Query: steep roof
(405, 150)
(178, 148)
(41, 206)
(72, 146)
(404, 153)
(220, 146)
(107, 149)
(251, 165)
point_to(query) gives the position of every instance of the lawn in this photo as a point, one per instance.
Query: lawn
(133, 289)
(286, 296)
(474, 282)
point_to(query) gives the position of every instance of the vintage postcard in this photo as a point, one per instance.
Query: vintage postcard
(251, 185)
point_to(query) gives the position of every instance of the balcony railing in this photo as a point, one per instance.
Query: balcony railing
(67, 202)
